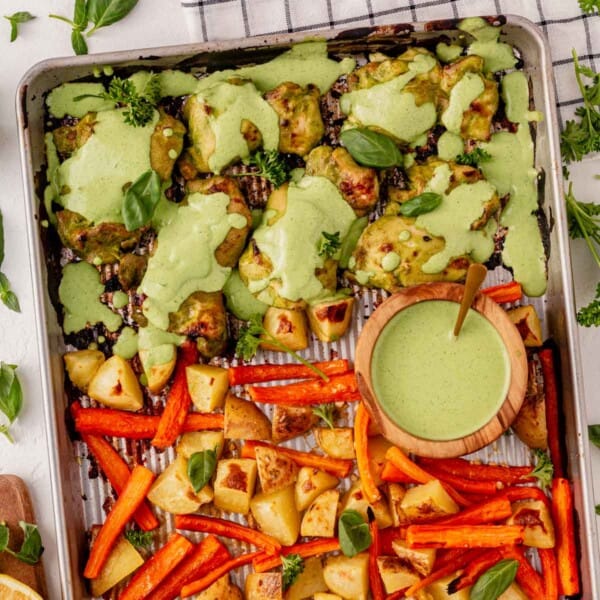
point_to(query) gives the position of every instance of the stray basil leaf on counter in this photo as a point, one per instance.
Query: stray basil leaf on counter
(421, 204)
(594, 434)
(370, 148)
(293, 565)
(80, 14)
(15, 20)
(200, 468)
(78, 42)
(31, 548)
(11, 395)
(495, 581)
(140, 200)
(353, 533)
(103, 13)
(1, 240)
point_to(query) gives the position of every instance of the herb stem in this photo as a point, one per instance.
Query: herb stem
(4, 430)
(580, 217)
(283, 347)
(61, 18)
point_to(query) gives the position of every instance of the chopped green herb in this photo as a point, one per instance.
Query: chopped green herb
(139, 539)
(544, 469)
(589, 6)
(473, 158)
(15, 20)
(594, 434)
(589, 315)
(330, 244)
(598, 509)
(293, 565)
(31, 548)
(270, 164)
(326, 412)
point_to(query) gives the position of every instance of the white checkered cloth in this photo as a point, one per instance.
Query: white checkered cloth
(561, 20)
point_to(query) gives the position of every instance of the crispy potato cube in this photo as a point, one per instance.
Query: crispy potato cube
(244, 420)
(264, 586)
(221, 589)
(311, 483)
(514, 592)
(535, 517)
(309, 582)
(173, 492)
(115, 385)
(198, 441)
(277, 515)
(526, 320)
(396, 573)
(329, 320)
(421, 559)
(395, 495)
(207, 386)
(82, 365)
(326, 596)
(234, 484)
(337, 442)
(422, 502)
(348, 576)
(319, 519)
(355, 499)
(158, 375)
(291, 421)
(438, 590)
(275, 470)
(123, 560)
(530, 424)
(286, 326)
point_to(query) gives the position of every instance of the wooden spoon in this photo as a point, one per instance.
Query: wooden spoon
(475, 276)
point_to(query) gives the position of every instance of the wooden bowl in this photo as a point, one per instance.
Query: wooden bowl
(516, 354)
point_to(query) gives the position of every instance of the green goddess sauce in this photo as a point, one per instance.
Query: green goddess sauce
(450, 145)
(127, 345)
(291, 243)
(79, 293)
(388, 107)
(61, 100)
(432, 384)
(497, 56)
(468, 88)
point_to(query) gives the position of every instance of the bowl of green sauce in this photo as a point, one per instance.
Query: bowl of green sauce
(433, 393)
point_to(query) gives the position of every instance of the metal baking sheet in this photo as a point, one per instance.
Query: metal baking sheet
(78, 499)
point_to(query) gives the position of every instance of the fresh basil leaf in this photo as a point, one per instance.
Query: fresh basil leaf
(140, 200)
(106, 12)
(200, 468)
(371, 148)
(1, 239)
(4, 536)
(594, 434)
(598, 509)
(78, 42)
(31, 549)
(16, 18)
(11, 395)
(80, 16)
(495, 581)
(11, 301)
(353, 533)
(421, 204)
(351, 239)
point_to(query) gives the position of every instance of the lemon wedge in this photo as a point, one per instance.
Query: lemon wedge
(11, 589)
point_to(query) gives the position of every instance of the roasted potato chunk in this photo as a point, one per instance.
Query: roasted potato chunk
(337, 442)
(308, 583)
(264, 586)
(420, 559)
(530, 423)
(395, 495)
(310, 484)
(116, 385)
(207, 385)
(275, 470)
(535, 517)
(222, 589)
(69, 138)
(286, 326)
(396, 573)
(329, 320)
(526, 320)
(438, 590)
(430, 499)
(158, 375)
(131, 270)
(82, 365)
(355, 499)
(244, 420)
(234, 484)
(320, 517)
(348, 577)
(300, 123)
(199, 441)
(291, 421)
(277, 515)
(166, 144)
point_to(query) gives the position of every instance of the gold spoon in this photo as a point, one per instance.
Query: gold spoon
(475, 276)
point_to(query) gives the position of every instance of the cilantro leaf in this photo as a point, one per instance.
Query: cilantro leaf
(330, 244)
(473, 158)
(590, 315)
(271, 166)
(293, 565)
(15, 20)
(544, 469)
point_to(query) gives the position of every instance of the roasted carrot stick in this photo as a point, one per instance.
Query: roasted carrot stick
(155, 570)
(377, 591)
(340, 467)
(549, 572)
(414, 471)
(566, 553)
(127, 503)
(464, 536)
(361, 446)
(227, 529)
(527, 577)
(526, 493)
(195, 587)
(553, 411)
(259, 373)
(387, 536)
(459, 467)
(263, 562)
(505, 292)
(482, 487)
(178, 401)
(120, 423)
(205, 556)
(392, 473)
(474, 569)
(491, 511)
(312, 391)
(117, 472)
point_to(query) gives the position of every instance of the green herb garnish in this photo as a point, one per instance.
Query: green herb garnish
(594, 434)
(370, 148)
(31, 548)
(11, 396)
(141, 199)
(270, 164)
(330, 244)
(326, 412)
(589, 6)
(421, 204)
(495, 581)
(139, 539)
(293, 565)
(353, 533)
(250, 338)
(200, 468)
(473, 158)
(544, 469)
(590, 315)
(15, 20)
(8, 297)
(597, 509)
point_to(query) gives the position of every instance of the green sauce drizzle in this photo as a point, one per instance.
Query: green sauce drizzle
(497, 56)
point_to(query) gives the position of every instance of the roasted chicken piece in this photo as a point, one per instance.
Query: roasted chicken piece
(358, 185)
(68, 138)
(300, 123)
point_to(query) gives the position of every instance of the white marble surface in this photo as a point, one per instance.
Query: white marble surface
(152, 23)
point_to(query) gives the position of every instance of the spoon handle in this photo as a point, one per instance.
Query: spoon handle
(475, 276)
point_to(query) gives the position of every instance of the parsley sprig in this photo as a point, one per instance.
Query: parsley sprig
(253, 333)
(330, 243)
(293, 565)
(270, 165)
(589, 6)
(139, 539)
(473, 158)
(326, 412)
(590, 315)
(544, 469)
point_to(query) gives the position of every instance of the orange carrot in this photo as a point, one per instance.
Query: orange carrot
(526, 493)
(392, 473)
(178, 401)
(117, 472)
(121, 423)
(481, 487)
(259, 373)
(227, 529)
(205, 556)
(361, 446)
(127, 503)
(527, 577)
(505, 292)
(377, 591)
(464, 536)
(549, 573)
(492, 510)
(340, 467)
(155, 570)
(263, 562)
(474, 569)
(553, 412)
(566, 551)
(387, 536)
(459, 467)
(312, 391)
(197, 586)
